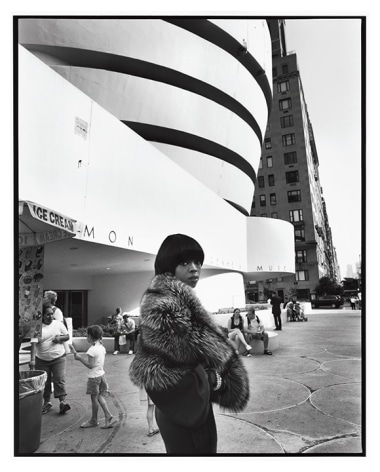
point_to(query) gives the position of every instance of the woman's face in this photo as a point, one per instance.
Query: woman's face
(188, 272)
(48, 316)
(237, 313)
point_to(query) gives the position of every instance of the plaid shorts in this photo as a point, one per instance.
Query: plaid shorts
(97, 386)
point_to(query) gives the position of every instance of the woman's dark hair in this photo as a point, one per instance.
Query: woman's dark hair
(95, 332)
(46, 307)
(174, 250)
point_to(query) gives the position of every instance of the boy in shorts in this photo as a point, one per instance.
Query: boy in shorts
(97, 385)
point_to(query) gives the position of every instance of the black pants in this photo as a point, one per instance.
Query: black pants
(188, 441)
(131, 338)
(277, 321)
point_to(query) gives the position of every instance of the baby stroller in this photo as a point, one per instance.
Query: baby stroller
(299, 313)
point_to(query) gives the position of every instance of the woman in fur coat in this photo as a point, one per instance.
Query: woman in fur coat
(185, 361)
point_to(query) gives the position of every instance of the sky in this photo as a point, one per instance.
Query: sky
(329, 60)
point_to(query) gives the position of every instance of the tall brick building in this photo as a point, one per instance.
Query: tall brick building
(288, 186)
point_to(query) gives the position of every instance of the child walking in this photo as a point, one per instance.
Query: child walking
(97, 385)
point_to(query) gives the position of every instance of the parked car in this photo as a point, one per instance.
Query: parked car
(332, 301)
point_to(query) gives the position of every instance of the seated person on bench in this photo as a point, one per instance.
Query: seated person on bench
(255, 330)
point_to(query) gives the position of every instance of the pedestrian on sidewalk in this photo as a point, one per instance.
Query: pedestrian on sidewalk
(97, 385)
(276, 310)
(50, 298)
(146, 401)
(48, 354)
(353, 300)
(115, 325)
(128, 329)
(184, 360)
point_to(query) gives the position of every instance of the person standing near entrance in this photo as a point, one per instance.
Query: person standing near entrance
(276, 310)
(115, 324)
(48, 354)
(50, 298)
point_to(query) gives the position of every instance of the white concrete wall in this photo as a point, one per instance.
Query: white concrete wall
(153, 102)
(113, 181)
(161, 43)
(222, 290)
(270, 247)
(123, 183)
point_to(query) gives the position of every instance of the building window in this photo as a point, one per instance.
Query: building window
(268, 143)
(288, 139)
(299, 235)
(283, 86)
(272, 198)
(292, 177)
(285, 104)
(263, 200)
(290, 158)
(286, 121)
(269, 161)
(274, 215)
(285, 68)
(261, 163)
(271, 180)
(274, 72)
(295, 216)
(301, 256)
(261, 181)
(302, 275)
(294, 196)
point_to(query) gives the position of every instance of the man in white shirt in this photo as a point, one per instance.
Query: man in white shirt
(129, 329)
(255, 330)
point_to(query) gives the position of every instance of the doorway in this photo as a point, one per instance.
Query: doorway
(73, 304)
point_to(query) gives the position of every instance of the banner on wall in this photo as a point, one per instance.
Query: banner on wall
(31, 275)
(40, 225)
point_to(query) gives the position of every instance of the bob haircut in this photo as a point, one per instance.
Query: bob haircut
(176, 249)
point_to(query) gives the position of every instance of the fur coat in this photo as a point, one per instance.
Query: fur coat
(176, 336)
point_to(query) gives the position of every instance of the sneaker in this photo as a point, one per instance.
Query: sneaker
(46, 407)
(249, 355)
(115, 353)
(130, 352)
(63, 407)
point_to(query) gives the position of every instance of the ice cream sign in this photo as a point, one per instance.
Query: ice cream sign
(51, 217)
(40, 225)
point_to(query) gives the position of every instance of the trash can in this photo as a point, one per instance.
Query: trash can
(31, 387)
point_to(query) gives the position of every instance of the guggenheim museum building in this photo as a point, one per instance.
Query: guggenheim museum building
(131, 129)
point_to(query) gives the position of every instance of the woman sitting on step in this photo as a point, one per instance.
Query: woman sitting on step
(235, 332)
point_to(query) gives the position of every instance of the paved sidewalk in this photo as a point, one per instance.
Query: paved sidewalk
(305, 399)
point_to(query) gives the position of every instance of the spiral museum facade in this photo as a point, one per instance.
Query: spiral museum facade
(139, 128)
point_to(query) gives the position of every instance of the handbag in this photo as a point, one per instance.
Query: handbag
(122, 340)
